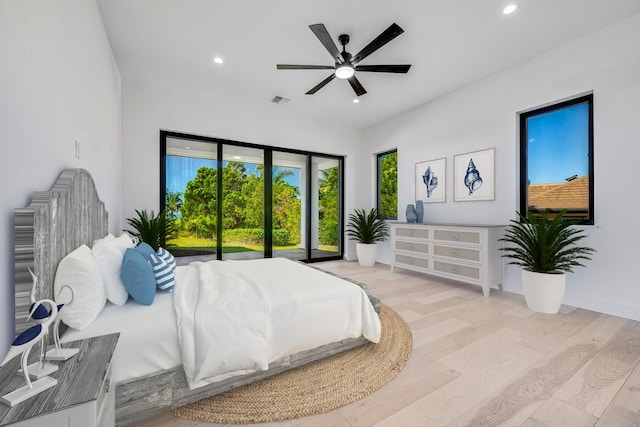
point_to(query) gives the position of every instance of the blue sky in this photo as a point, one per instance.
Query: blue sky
(181, 170)
(558, 145)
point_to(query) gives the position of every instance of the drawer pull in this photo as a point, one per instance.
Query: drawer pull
(410, 233)
(411, 261)
(454, 237)
(410, 247)
(108, 385)
(454, 252)
(454, 269)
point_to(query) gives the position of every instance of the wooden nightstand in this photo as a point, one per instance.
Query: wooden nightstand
(83, 397)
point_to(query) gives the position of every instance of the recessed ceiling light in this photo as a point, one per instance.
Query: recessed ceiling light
(218, 60)
(355, 101)
(237, 157)
(187, 147)
(509, 9)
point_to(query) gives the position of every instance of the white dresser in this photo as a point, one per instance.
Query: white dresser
(467, 253)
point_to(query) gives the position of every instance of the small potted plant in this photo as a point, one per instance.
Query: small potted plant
(546, 249)
(367, 229)
(151, 228)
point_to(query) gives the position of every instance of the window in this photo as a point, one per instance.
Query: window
(235, 200)
(387, 185)
(556, 159)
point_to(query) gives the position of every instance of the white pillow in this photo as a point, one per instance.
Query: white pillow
(109, 258)
(80, 271)
(124, 242)
(106, 238)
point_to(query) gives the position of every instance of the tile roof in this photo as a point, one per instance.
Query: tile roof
(573, 194)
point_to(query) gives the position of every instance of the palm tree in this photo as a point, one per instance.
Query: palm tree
(173, 203)
(280, 174)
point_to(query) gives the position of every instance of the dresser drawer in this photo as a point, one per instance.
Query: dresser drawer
(423, 248)
(457, 270)
(412, 261)
(457, 236)
(458, 253)
(419, 233)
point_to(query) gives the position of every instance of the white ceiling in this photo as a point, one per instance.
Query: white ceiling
(450, 43)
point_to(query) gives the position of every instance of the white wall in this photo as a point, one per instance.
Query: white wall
(484, 115)
(59, 84)
(150, 106)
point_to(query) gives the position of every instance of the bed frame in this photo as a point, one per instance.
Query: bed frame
(54, 224)
(71, 214)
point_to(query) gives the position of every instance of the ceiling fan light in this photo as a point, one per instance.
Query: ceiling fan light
(345, 71)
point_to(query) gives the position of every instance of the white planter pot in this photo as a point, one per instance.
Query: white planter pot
(543, 292)
(366, 254)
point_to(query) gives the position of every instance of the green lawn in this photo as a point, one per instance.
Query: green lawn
(209, 245)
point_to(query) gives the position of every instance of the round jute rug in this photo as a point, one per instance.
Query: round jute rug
(316, 387)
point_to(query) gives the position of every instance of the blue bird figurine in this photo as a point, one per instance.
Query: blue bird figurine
(29, 338)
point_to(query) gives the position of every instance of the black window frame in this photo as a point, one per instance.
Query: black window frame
(268, 152)
(379, 184)
(524, 149)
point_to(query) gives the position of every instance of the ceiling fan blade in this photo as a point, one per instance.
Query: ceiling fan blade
(385, 37)
(323, 35)
(305, 67)
(320, 85)
(357, 87)
(384, 68)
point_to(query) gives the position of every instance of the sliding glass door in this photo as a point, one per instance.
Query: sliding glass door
(242, 202)
(234, 200)
(289, 192)
(190, 195)
(325, 220)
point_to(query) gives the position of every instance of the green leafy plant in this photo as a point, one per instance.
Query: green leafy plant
(366, 227)
(545, 245)
(151, 228)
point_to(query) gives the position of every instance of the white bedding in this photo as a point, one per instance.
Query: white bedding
(240, 316)
(307, 309)
(148, 340)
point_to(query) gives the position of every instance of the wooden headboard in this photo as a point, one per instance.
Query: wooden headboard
(55, 223)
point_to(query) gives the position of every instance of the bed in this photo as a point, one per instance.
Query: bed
(154, 380)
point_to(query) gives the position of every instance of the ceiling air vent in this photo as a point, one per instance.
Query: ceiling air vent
(280, 100)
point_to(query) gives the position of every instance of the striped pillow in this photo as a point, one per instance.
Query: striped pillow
(166, 255)
(164, 274)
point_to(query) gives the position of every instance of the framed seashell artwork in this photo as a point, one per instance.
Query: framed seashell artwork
(474, 176)
(431, 181)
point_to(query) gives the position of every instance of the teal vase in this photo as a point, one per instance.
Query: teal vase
(411, 213)
(419, 211)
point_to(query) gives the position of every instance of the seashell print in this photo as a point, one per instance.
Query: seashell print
(472, 179)
(430, 181)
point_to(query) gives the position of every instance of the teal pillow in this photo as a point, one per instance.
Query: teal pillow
(138, 278)
(145, 250)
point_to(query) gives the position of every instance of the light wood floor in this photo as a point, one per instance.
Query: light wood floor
(490, 361)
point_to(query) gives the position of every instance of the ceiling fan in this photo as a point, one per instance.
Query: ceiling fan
(346, 65)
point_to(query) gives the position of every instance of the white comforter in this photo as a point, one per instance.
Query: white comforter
(236, 317)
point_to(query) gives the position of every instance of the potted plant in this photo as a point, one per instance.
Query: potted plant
(151, 228)
(546, 249)
(367, 229)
